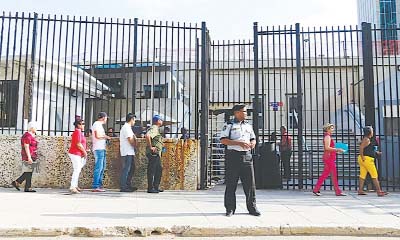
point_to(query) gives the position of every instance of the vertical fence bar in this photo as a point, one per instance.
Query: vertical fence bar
(32, 68)
(299, 106)
(368, 72)
(204, 107)
(256, 104)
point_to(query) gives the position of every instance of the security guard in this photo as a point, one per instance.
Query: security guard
(239, 138)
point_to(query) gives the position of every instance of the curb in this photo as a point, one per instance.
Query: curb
(187, 231)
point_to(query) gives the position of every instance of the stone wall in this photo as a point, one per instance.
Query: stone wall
(180, 164)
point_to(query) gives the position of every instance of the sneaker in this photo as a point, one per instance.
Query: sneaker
(98, 190)
(29, 190)
(341, 194)
(16, 185)
(152, 191)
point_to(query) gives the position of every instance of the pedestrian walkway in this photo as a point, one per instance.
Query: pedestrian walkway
(52, 212)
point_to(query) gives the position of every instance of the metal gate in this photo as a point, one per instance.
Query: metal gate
(231, 81)
(302, 78)
(305, 77)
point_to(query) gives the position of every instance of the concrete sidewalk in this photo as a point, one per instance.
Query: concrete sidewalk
(52, 212)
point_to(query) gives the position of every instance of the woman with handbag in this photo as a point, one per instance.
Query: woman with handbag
(77, 153)
(29, 146)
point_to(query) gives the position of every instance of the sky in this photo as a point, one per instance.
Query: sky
(226, 19)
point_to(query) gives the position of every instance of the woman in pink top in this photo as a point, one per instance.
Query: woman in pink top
(29, 146)
(77, 153)
(329, 159)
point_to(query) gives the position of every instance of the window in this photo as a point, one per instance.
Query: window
(116, 86)
(8, 103)
(392, 127)
(388, 19)
(160, 91)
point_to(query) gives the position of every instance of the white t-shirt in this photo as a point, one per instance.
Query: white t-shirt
(125, 146)
(98, 144)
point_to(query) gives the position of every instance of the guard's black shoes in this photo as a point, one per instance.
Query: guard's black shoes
(229, 213)
(255, 213)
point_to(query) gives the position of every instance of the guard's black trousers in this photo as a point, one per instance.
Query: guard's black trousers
(239, 164)
(154, 172)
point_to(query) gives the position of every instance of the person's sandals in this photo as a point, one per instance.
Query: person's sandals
(74, 191)
(341, 195)
(382, 193)
(318, 194)
(362, 193)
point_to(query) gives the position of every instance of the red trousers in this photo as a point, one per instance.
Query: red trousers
(329, 169)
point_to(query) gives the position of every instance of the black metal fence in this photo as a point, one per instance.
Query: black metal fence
(302, 78)
(79, 66)
(346, 76)
(55, 67)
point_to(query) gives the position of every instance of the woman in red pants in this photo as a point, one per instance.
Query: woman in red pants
(329, 159)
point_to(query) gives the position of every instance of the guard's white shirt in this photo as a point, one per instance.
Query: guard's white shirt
(239, 131)
(125, 146)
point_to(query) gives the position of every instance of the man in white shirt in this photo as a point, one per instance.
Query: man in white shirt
(128, 143)
(99, 138)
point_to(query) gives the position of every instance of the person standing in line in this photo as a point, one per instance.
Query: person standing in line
(366, 160)
(185, 133)
(99, 138)
(167, 132)
(285, 148)
(154, 148)
(329, 158)
(77, 153)
(239, 138)
(29, 146)
(111, 132)
(275, 145)
(128, 144)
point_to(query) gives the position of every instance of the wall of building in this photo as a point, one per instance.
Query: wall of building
(180, 164)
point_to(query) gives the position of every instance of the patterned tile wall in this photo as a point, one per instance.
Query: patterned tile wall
(180, 164)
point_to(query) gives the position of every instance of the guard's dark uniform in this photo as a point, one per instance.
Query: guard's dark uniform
(239, 163)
